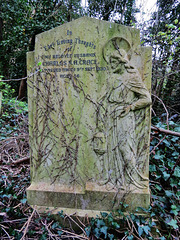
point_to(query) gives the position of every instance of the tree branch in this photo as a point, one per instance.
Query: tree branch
(25, 159)
(168, 132)
(167, 114)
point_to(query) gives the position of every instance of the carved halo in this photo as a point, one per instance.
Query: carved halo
(114, 45)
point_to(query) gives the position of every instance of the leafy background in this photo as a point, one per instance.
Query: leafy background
(20, 21)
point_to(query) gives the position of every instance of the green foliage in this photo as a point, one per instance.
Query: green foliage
(6, 89)
(15, 209)
(22, 20)
(165, 178)
(162, 218)
(116, 225)
(10, 197)
(169, 41)
(163, 35)
(11, 110)
(121, 11)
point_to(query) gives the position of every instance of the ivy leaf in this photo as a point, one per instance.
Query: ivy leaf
(171, 26)
(55, 225)
(177, 172)
(177, 129)
(166, 176)
(88, 231)
(174, 182)
(152, 168)
(140, 230)
(104, 230)
(104, 214)
(59, 233)
(61, 214)
(96, 232)
(173, 223)
(100, 223)
(130, 237)
(110, 218)
(158, 156)
(175, 209)
(175, 212)
(158, 187)
(146, 229)
(115, 225)
(110, 236)
(167, 143)
(24, 200)
(176, 21)
(169, 193)
(175, 154)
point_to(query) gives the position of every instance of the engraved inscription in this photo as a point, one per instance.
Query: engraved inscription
(68, 60)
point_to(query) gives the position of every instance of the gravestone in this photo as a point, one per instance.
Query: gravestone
(89, 117)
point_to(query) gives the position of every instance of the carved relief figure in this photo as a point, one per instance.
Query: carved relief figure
(127, 95)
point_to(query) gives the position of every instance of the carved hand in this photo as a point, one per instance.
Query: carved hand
(125, 111)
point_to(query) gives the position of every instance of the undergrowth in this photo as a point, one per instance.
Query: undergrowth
(12, 112)
(19, 221)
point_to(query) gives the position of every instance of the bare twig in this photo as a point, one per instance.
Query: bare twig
(19, 79)
(27, 225)
(25, 159)
(176, 164)
(158, 144)
(74, 234)
(80, 221)
(135, 230)
(167, 113)
(131, 229)
(76, 223)
(51, 235)
(168, 132)
(5, 231)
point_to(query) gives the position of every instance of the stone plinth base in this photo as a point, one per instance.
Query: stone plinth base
(91, 201)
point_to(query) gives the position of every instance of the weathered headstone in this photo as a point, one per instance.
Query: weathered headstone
(89, 115)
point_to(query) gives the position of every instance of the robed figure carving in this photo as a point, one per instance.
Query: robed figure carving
(127, 95)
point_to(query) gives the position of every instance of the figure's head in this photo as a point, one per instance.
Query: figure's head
(118, 59)
(117, 47)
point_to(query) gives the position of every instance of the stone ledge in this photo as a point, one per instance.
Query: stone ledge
(91, 200)
(79, 212)
(68, 211)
